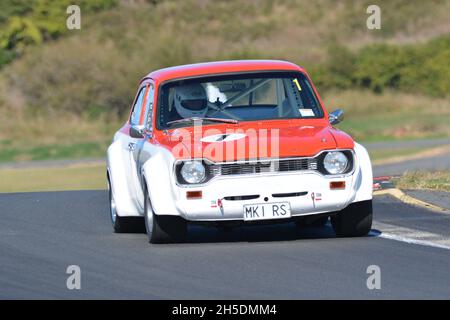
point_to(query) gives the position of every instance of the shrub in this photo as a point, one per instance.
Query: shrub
(420, 68)
(27, 23)
(96, 71)
(338, 71)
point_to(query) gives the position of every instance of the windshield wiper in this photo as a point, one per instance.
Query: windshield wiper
(192, 119)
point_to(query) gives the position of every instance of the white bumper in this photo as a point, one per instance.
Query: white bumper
(168, 198)
(265, 187)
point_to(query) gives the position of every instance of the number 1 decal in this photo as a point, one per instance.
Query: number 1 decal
(298, 84)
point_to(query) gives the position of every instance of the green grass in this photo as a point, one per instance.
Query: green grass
(54, 152)
(439, 180)
(394, 127)
(80, 177)
(382, 154)
(48, 137)
(391, 115)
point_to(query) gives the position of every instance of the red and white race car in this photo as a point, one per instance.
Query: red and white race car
(235, 143)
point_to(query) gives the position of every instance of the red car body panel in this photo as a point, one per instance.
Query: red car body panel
(296, 137)
(293, 138)
(220, 67)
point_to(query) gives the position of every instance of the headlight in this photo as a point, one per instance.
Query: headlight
(335, 162)
(193, 172)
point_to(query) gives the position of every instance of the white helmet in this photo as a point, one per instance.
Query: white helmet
(191, 101)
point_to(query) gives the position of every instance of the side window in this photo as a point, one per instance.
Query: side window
(149, 108)
(137, 108)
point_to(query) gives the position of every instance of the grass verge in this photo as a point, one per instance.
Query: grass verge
(438, 180)
(388, 153)
(54, 151)
(395, 155)
(371, 117)
(55, 137)
(76, 177)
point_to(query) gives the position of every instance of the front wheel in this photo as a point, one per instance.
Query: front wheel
(353, 221)
(311, 221)
(163, 228)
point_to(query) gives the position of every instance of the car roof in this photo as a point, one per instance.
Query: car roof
(221, 67)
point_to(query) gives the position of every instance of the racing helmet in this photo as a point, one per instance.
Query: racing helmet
(191, 100)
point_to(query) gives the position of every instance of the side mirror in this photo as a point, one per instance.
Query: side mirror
(336, 116)
(137, 131)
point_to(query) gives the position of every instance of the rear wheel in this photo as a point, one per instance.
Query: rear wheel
(120, 224)
(163, 228)
(353, 221)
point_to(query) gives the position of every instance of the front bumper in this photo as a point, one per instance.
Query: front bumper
(223, 198)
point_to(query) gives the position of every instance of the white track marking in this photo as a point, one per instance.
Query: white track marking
(411, 236)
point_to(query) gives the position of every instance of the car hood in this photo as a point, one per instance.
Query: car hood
(231, 143)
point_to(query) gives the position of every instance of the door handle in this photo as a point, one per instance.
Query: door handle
(131, 146)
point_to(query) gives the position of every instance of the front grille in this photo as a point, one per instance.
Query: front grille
(265, 166)
(281, 165)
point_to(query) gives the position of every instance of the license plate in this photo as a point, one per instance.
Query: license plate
(264, 211)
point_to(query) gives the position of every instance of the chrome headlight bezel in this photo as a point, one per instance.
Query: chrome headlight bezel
(336, 163)
(192, 172)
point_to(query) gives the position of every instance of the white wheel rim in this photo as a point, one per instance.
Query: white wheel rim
(149, 215)
(112, 205)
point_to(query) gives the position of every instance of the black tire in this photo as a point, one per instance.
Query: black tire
(122, 224)
(225, 229)
(319, 222)
(353, 221)
(311, 222)
(163, 228)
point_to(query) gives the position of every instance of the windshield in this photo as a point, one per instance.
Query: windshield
(244, 97)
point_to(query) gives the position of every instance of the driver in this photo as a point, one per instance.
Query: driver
(190, 101)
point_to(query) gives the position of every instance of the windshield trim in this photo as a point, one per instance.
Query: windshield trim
(255, 72)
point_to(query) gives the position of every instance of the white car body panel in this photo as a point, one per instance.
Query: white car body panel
(168, 198)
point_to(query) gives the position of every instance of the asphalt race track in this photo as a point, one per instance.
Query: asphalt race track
(43, 233)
